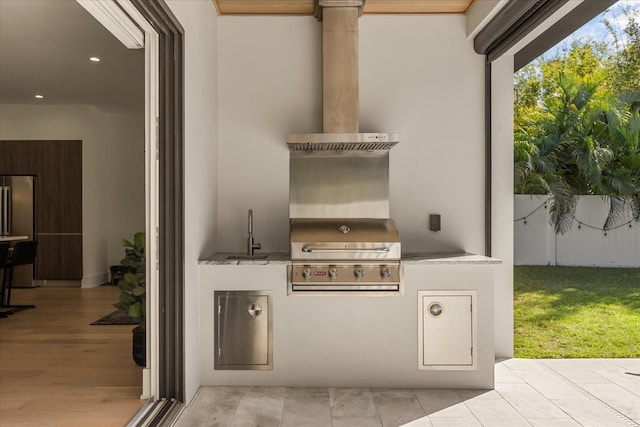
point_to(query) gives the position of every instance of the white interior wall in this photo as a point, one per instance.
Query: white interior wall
(419, 76)
(112, 172)
(200, 24)
(125, 180)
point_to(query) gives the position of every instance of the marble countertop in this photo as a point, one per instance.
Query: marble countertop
(447, 258)
(13, 238)
(225, 258)
(424, 258)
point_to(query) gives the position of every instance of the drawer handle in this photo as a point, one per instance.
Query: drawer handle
(254, 310)
(311, 249)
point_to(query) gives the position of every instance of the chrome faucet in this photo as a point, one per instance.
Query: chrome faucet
(251, 246)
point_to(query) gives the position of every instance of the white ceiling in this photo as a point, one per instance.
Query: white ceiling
(44, 48)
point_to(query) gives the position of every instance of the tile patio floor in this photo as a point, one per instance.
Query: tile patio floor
(545, 393)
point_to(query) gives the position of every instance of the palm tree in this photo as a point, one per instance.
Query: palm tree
(584, 142)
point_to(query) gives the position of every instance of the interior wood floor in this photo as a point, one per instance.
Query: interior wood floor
(57, 370)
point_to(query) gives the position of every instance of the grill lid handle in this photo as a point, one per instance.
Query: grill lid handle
(311, 249)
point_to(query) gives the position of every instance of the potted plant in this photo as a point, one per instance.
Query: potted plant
(133, 292)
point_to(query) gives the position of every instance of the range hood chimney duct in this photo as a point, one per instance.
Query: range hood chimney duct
(340, 85)
(340, 89)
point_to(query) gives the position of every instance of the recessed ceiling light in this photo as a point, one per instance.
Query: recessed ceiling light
(94, 59)
(39, 96)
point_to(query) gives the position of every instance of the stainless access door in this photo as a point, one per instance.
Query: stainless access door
(243, 330)
(446, 330)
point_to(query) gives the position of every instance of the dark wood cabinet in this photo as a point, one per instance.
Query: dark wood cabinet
(57, 166)
(62, 257)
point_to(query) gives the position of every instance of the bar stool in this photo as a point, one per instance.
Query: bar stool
(4, 253)
(24, 253)
(4, 256)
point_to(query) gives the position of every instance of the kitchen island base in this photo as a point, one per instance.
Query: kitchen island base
(352, 341)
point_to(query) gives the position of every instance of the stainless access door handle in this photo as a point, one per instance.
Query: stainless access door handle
(310, 249)
(254, 310)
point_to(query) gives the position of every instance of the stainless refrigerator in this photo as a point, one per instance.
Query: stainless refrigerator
(17, 218)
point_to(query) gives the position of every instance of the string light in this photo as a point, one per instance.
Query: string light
(580, 223)
(524, 218)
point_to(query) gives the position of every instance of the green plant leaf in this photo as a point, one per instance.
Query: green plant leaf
(131, 279)
(135, 310)
(132, 285)
(139, 240)
(127, 299)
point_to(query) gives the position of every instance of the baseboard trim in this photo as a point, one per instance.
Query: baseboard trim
(95, 280)
(58, 283)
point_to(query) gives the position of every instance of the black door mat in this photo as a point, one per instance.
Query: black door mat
(118, 317)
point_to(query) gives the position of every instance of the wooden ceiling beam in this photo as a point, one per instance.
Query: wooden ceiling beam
(264, 7)
(305, 7)
(416, 6)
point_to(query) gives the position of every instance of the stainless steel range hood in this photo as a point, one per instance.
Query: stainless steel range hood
(340, 85)
(341, 141)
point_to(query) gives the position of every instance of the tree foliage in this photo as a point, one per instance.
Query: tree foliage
(577, 125)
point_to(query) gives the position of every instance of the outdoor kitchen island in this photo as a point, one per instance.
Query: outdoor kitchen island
(360, 339)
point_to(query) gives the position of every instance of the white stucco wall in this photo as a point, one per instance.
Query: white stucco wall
(112, 172)
(270, 85)
(419, 76)
(199, 20)
(259, 78)
(502, 200)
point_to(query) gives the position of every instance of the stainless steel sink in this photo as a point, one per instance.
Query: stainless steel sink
(247, 257)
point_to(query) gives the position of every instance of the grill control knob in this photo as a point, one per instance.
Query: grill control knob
(385, 271)
(359, 272)
(306, 272)
(333, 273)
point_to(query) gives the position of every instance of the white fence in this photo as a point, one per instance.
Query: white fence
(585, 244)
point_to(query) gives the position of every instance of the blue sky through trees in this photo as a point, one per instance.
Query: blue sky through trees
(595, 29)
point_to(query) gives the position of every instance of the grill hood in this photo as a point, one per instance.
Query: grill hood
(344, 239)
(340, 85)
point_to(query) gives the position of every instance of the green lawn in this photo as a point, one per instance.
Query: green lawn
(571, 312)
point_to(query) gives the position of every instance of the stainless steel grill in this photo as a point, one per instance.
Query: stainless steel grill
(339, 177)
(341, 255)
